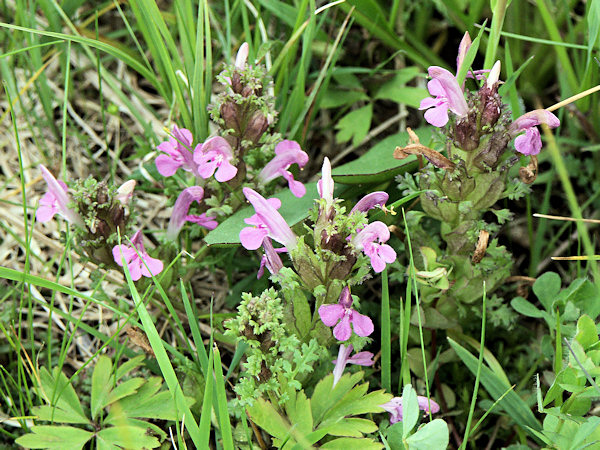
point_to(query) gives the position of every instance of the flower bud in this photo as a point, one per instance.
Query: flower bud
(230, 115)
(466, 133)
(257, 125)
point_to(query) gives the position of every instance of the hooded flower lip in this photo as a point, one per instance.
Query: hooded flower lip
(176, 153)
(286, 154)
(215, 155)
(55, 201)
(394, 407)
(447, 95)
(138, 262)
(343, 359)
(371, 240)
(342, 316)
(370, 201)
(180, 212)
(266, 222)
(531, 143)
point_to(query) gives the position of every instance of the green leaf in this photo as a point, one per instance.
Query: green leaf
(410, 410)
(60, 437)
(348, 443)
(263, 414)
(66, 406)
(126, 367)
(352, 427)
(124, 389)
(515, 406)
(432, 436)
(147, 403)
(526, 308)
(299, 413)
(355, 125)
(101, 385)
(394, 436)
(587, 335)
(293, 210)
(335, 98)
(546, 288)
(378, 164)
(469, 58)
(324, 396)
(126, 436)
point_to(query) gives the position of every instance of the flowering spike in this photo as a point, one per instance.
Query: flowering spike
(266, 222)
(371, 240)
(55, 201)
(360, 359)
(215, 155)
(286, 154)
(137, 259)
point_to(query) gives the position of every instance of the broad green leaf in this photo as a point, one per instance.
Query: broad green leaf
(526, 308)
(126, 436)
(293, 210)
(101, 385)
(410, 410)
(378, 164)
(587, 335)
(355, 125)
(585, 430)
(334, 98)
(352, 443)
(432, 436)
(515, 406)
(352, 427)
(299, 413)
(126, 367)
(324, 396)
(356, 402)
(124, 389)
(546, 288)
(60, 394)
(265, 416)
(394, 436)
(48, 436)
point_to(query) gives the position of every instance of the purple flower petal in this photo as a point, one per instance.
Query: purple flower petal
(342, 330)
(252, 237)
(166, 165)
(362, 359)
(225, 172)
(181, 208)
(363, 325)
(331, 314)
(529, 143)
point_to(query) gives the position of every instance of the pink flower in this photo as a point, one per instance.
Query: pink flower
(360, 359)
(137, 259)
(266, 222)
(370, 201)
(270, 259)
(341, 315)
(55, 201)
(447, 94)
(325, 185)
(371, 241)
(242, 56)
(530, 143)
(286, 154)
(180, 212)
(394, 407)
(215, 155)
(176, 153)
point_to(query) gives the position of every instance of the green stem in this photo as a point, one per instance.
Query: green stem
(495, 29)
(386, 337)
